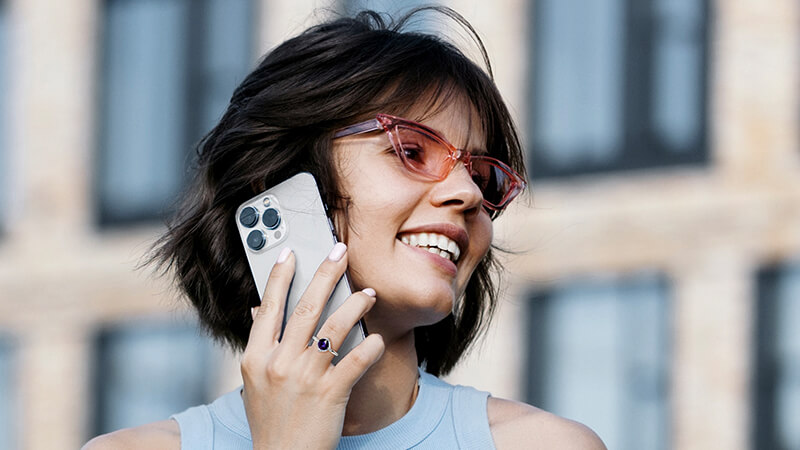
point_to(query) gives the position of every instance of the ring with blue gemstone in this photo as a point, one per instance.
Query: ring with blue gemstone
(324, 345)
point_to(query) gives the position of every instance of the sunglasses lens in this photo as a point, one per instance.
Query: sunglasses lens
(426, 155)
(492, 180)
(423, 153)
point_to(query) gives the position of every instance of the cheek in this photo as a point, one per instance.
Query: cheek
(482, 237)
(379, 205)
(480, 241)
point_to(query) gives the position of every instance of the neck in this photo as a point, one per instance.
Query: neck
(386, 391)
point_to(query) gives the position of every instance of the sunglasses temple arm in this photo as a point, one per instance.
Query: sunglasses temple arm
(359, 128)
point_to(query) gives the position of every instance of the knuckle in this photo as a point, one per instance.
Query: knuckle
(359, 359)
(333, 329)
(277, 372)
(250, 363)
(305, 308)
(275, 274)
(309, 379)
(328, 270)
(267, 305)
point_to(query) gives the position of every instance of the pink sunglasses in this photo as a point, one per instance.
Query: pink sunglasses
(427, 154)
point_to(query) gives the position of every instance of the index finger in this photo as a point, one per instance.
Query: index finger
(269, 315)
(305, 317)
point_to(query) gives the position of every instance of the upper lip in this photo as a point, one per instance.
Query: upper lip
(454, 232)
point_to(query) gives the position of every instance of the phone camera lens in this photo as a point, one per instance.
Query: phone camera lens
(248, 217)
(256, 240)
(271, 218)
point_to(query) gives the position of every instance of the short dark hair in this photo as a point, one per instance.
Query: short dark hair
(281, 120)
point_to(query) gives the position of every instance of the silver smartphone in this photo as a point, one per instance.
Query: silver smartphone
(292, 214)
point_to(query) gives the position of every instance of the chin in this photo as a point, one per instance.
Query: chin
(433, 307)
(415, 308)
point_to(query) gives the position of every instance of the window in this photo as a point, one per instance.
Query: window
(617, 85)
(392, 7)
(777, 364)
(598, 354)
(8, 390)
(146, 371)
(169, 69)
(5, 188)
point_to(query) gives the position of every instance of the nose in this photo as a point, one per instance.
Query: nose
(458, 190)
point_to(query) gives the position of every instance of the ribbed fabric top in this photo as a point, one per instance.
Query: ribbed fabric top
(443, 416)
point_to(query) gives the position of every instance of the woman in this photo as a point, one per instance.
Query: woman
(334, 101)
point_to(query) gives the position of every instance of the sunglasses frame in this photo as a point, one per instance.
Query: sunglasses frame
(389, 123)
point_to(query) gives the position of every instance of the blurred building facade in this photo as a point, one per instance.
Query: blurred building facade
(655, 290)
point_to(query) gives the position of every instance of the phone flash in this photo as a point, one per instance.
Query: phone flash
(267, 202)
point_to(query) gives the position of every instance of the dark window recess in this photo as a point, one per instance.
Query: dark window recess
(392, 7)
(5, 187)
(169, 68)
(9, 406)
(598, 353)
(617, 85)
(776, 380)
(146, 371)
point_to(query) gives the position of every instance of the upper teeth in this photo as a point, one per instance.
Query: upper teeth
(436, 243)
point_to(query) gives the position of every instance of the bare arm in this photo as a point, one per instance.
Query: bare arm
(517, 425)
(163, 435)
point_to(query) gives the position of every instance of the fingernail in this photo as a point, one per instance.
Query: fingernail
(253, 312)
(337, 252)
(284, 255)
(369, 291)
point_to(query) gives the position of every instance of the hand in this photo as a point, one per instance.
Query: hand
(293, 396)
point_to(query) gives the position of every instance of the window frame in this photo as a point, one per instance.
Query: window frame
(165, 327)
(638, 115)
(196, 55)
(766, 361)
(538, 351)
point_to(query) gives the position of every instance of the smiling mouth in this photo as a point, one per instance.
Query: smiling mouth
(435, 243)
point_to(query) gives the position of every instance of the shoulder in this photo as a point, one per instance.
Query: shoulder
(518, 425)
(163, 435)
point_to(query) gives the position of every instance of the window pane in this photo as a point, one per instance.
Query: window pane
(8, 409)
(170, 67)
(5, 187)
(616, 85)
(598, 354)
(228, 56)
(147, 371)
(144, 144)
(678, 72)
(578, 110)
(778, 358)
(388, 6)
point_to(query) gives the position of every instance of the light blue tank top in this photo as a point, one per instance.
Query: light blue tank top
(443, 416)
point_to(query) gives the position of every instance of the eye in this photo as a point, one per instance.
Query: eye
(413, 152)
(413, 145)
(480, 179)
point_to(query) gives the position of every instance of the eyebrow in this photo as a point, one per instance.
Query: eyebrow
(480, 151)
(372, 125)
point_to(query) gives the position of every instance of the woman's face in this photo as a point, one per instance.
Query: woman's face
(391, 209)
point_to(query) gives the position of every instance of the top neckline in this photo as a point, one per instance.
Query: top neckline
(423, 417)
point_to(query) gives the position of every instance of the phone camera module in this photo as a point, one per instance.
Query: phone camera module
(256, 240)
(271, 218)
(248, 217)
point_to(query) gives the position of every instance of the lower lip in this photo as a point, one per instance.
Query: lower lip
(449, 267)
